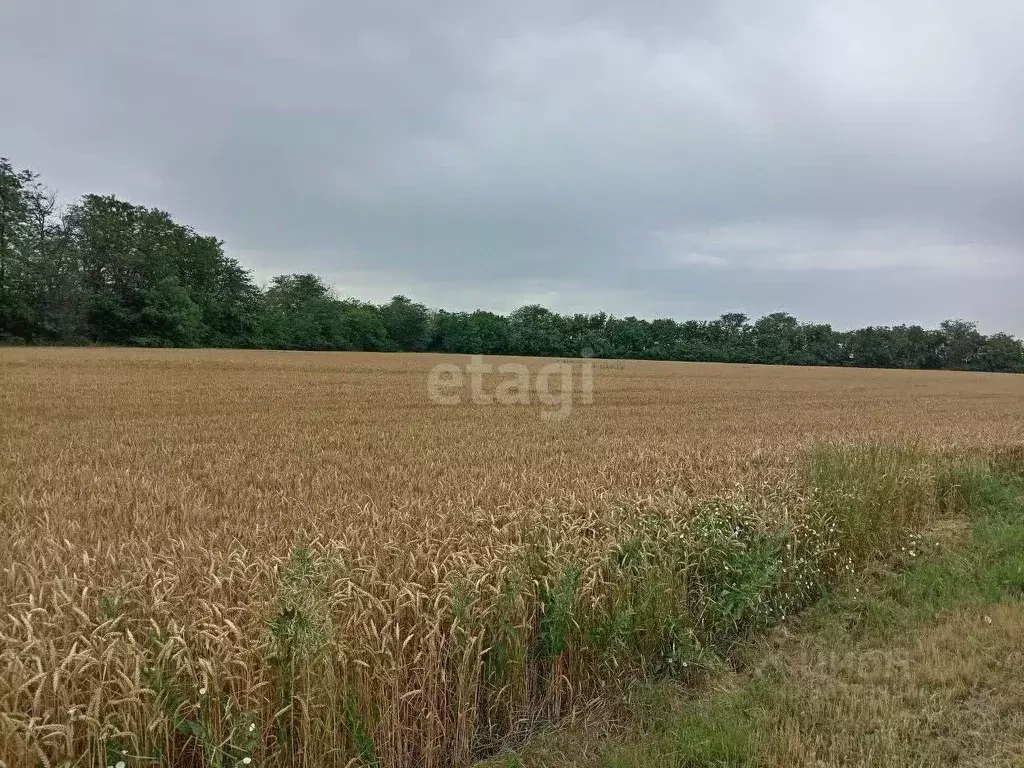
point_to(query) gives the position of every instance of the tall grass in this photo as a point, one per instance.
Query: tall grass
(949, 624)
(873, 494)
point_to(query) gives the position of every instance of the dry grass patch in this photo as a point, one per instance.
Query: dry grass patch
(947, 695)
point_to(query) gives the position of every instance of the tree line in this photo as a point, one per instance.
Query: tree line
(104, 271)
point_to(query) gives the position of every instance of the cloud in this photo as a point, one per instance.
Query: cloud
(854, 163)
(883, 247)
(701, 259)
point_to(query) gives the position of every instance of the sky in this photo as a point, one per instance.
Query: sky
(858, 163)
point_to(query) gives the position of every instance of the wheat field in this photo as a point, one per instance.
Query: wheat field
(220, 558)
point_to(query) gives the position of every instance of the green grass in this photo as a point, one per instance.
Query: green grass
(726, 729)
(714, 733)
(936, 575)
(931, 538)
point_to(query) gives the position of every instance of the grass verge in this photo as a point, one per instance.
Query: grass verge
(914, 661)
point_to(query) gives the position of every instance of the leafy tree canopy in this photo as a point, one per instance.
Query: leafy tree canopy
(106, 271)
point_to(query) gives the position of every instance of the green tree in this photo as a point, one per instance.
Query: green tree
(362, 326)
(407, 324)
(299, 312)
(535, 331)
(16, 284)
(455, 332)
(1002, 353)
(820, 345)
(124, 253)
(962, 344)
(493, 330)
(170, 317)
(776, 338)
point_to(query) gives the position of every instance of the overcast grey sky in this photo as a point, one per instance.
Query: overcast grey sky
(855, 162)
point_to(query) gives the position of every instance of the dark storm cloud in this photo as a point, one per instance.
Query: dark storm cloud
(856, 163)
